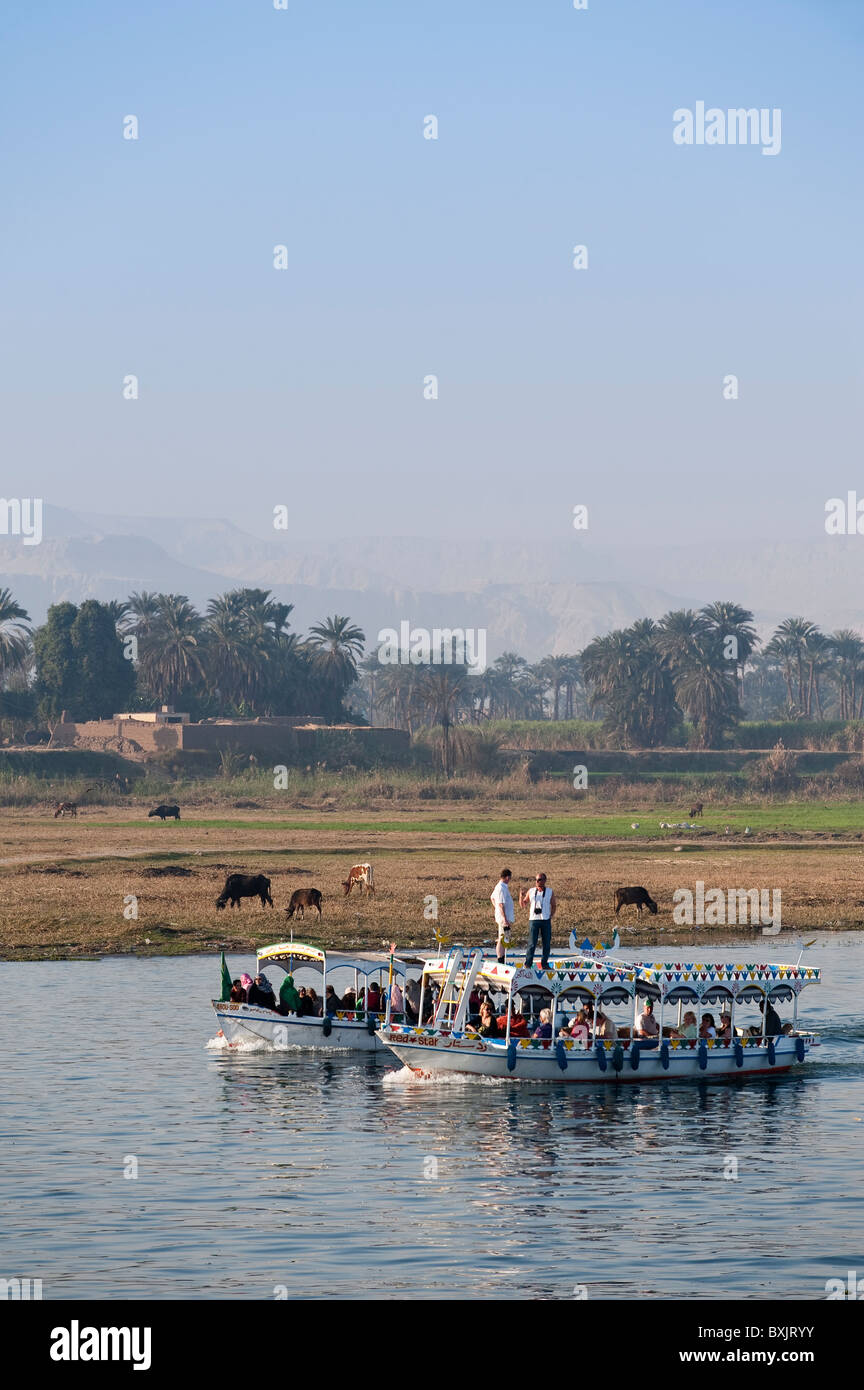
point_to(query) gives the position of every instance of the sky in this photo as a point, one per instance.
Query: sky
(406, 257)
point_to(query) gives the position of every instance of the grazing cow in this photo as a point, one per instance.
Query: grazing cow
(696, 810)
(302, 898)
(239, 886)
(65, 808)
(638, 897)
(163, 811)
(362, 874)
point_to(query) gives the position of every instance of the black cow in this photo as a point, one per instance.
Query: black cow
(638, 897)
(239, 886)
(302, 898)
(163, 811)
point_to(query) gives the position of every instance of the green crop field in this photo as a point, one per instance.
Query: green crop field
(800, 818)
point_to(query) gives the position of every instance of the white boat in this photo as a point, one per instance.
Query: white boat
(342, 1030)
(449, 1043)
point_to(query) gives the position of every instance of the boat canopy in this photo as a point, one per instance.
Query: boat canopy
(613, 981)
(364, 962)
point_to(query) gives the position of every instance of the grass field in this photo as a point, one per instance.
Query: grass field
(71, 887)
(800, 818)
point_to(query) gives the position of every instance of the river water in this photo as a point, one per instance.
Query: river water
(289, 1174)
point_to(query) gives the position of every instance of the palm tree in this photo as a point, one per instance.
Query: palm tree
(572, 683)
(708, 693)
(510, 668)
(172, 653)
(818, 653)
(443, 690)
(336, 644)
(731, 620)
(848, 650)
(683, 635)
(15, 635)
(554, 671)
(789, 643)
(781, 650)
(142, 611)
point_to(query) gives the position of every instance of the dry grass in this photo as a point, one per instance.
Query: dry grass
(66, 883)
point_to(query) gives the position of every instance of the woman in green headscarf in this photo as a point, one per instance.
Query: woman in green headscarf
(289, 999)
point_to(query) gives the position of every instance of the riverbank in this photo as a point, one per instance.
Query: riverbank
(104, 885)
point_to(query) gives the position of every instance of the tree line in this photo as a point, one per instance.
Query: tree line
(239, 658)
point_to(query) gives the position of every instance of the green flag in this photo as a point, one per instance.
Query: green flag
(226, 981)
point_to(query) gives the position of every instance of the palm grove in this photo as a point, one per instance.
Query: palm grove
(239, 658)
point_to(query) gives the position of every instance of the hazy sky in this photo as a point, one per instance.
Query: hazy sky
(410, 256)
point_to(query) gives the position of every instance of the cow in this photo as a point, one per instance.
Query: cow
(638, 897)
(362, 874)
(302, 898)
(239, 886)
(65, 808)
(696, 810)
(163, 811)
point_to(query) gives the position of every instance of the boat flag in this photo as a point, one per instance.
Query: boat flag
(226, 981)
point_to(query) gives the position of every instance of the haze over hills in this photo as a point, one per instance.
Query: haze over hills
(549, 597)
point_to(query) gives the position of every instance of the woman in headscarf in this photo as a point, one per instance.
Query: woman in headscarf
(261, 993)
(289, 999)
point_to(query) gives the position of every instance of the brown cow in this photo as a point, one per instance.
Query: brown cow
(302, 898)
(65, 808)
(362, 874)
(696, 810)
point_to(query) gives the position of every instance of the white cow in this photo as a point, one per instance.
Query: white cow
(362, 874)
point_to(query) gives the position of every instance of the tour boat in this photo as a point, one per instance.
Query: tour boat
(339, 1031)
(451, 1044)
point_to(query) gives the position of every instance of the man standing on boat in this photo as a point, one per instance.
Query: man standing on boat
(542, 906)
(503, 903)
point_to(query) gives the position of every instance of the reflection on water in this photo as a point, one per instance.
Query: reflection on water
(346, 1178)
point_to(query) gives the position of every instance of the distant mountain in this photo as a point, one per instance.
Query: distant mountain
(553, 596)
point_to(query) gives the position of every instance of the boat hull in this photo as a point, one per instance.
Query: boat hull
(429, 1054)
(245, 1024)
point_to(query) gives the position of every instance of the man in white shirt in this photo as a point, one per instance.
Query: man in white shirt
(646, 1024)
(503, 904)
(541, 905)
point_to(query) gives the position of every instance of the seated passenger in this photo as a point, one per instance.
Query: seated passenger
(245, 981)
(373, 998)
(349, 1000)
(474, 1005)
(238, 993)
(604, 1027)
(646, 1024)
(260, 992)
(544, 1030)
(289, 999)
(688, 1027)
(579, 1028)
(518, 1025)
(787, 1029)
(707, 1028)
(724, 1028)
(488, 1027)
(412, 1000)
(396, 1004)
(304, 1007)
(317, 1006)
(332, 1002)
(773, 1024)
